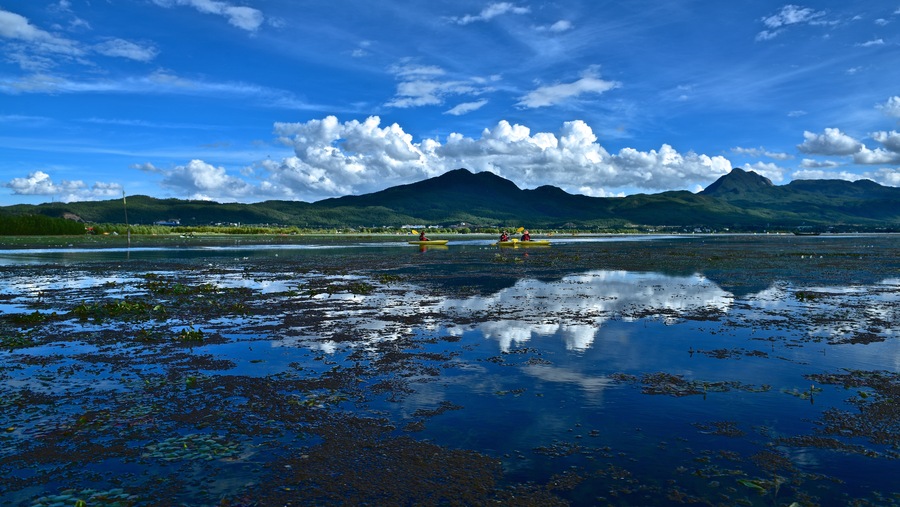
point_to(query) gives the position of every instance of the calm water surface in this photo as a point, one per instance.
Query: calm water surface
(736, 370)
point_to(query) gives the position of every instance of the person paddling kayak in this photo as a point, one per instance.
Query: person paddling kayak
(504, 236)
(422, 236)
(526, 236)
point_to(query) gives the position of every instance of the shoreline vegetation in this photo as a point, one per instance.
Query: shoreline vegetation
(189, 236)
(14, 228)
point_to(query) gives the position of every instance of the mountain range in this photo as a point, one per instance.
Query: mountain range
(740, 200)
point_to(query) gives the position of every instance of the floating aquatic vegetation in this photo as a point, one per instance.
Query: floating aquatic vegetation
(677, 385)
(512, 392)
(189, 334)
(730, 353)
(148, 335)
(361, 288)
(195, 446)
(806, 394)
(808, 296)
(859, 337)
(443, 406)
(829, 443)
(16, 341)
(128, 308)
(33, 318)
(878, 411)
(387, 278)
(723, 428)
(160, 285)
(116, 497)
(319, 400)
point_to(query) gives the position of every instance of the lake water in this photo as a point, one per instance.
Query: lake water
(644, 370)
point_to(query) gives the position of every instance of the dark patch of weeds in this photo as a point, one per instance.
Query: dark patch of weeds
(32, 319)
(16, 341)
(387, 279)
(127, 308)
(878, 412)
(721, 428)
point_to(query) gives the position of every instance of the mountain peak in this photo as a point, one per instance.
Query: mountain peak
(738, 181)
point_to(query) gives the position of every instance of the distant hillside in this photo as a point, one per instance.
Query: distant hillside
(814, 202)
(461, 196)
(738, 182)
(740, 200)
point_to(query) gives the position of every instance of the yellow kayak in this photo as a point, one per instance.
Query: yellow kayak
(516, 242)
(430, 242)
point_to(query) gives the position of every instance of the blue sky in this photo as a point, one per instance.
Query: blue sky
(250, 100)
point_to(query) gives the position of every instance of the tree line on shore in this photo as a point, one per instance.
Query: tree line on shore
(38, 225)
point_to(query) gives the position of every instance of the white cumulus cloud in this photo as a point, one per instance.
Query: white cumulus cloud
(887, 176)
(890, 140)
(40, 183)
(333, 158)
(877, 156)
(891, 107)
(769, 170)
(204, 181)
(355, 157)
(831, 142)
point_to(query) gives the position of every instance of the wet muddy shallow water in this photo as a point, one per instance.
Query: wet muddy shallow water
(704, 370)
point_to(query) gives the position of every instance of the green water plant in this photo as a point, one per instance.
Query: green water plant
(127, 308)
(32, 319)
(194, 446)
(116, 497)
(189, 334)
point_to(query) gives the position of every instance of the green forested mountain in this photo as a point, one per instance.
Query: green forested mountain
(740, 199)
